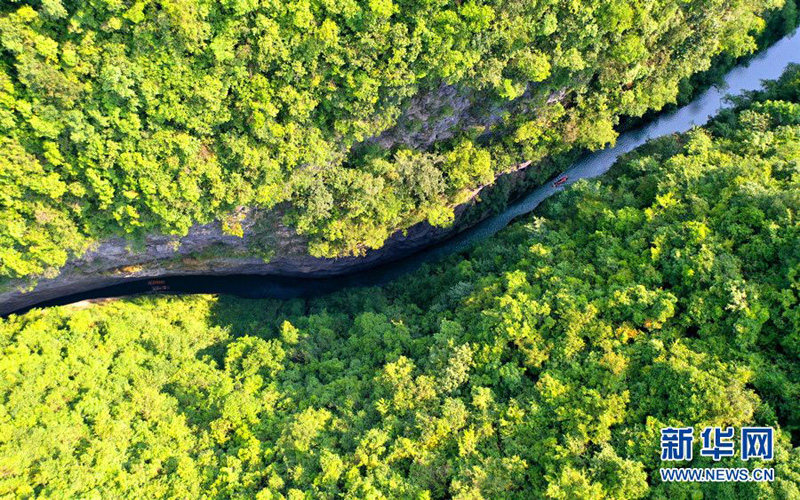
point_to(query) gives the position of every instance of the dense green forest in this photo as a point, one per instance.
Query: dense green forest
(542, 363)
(139, 116)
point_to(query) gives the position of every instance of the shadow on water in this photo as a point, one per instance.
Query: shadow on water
(768, 65)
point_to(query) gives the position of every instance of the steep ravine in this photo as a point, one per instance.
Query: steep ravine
(207, 251)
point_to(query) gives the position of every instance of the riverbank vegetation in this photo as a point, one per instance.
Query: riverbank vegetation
(133, 117)
(541, 364)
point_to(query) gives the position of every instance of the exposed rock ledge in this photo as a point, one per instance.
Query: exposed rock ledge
(114, 261)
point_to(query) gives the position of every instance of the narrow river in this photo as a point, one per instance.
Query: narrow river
(767, 65)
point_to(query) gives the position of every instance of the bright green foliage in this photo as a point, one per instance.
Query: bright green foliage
(541, 365)
(133, 116)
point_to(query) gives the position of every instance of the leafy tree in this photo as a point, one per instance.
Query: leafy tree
(542, 363)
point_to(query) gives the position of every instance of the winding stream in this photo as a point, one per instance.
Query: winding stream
(770, 64)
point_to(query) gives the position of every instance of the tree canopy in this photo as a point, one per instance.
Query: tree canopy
(541, 364)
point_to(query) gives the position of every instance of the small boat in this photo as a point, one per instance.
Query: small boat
(156, 282)
(560, 181)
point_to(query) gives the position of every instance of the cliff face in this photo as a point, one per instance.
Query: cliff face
(207, 250)
(437, 115)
